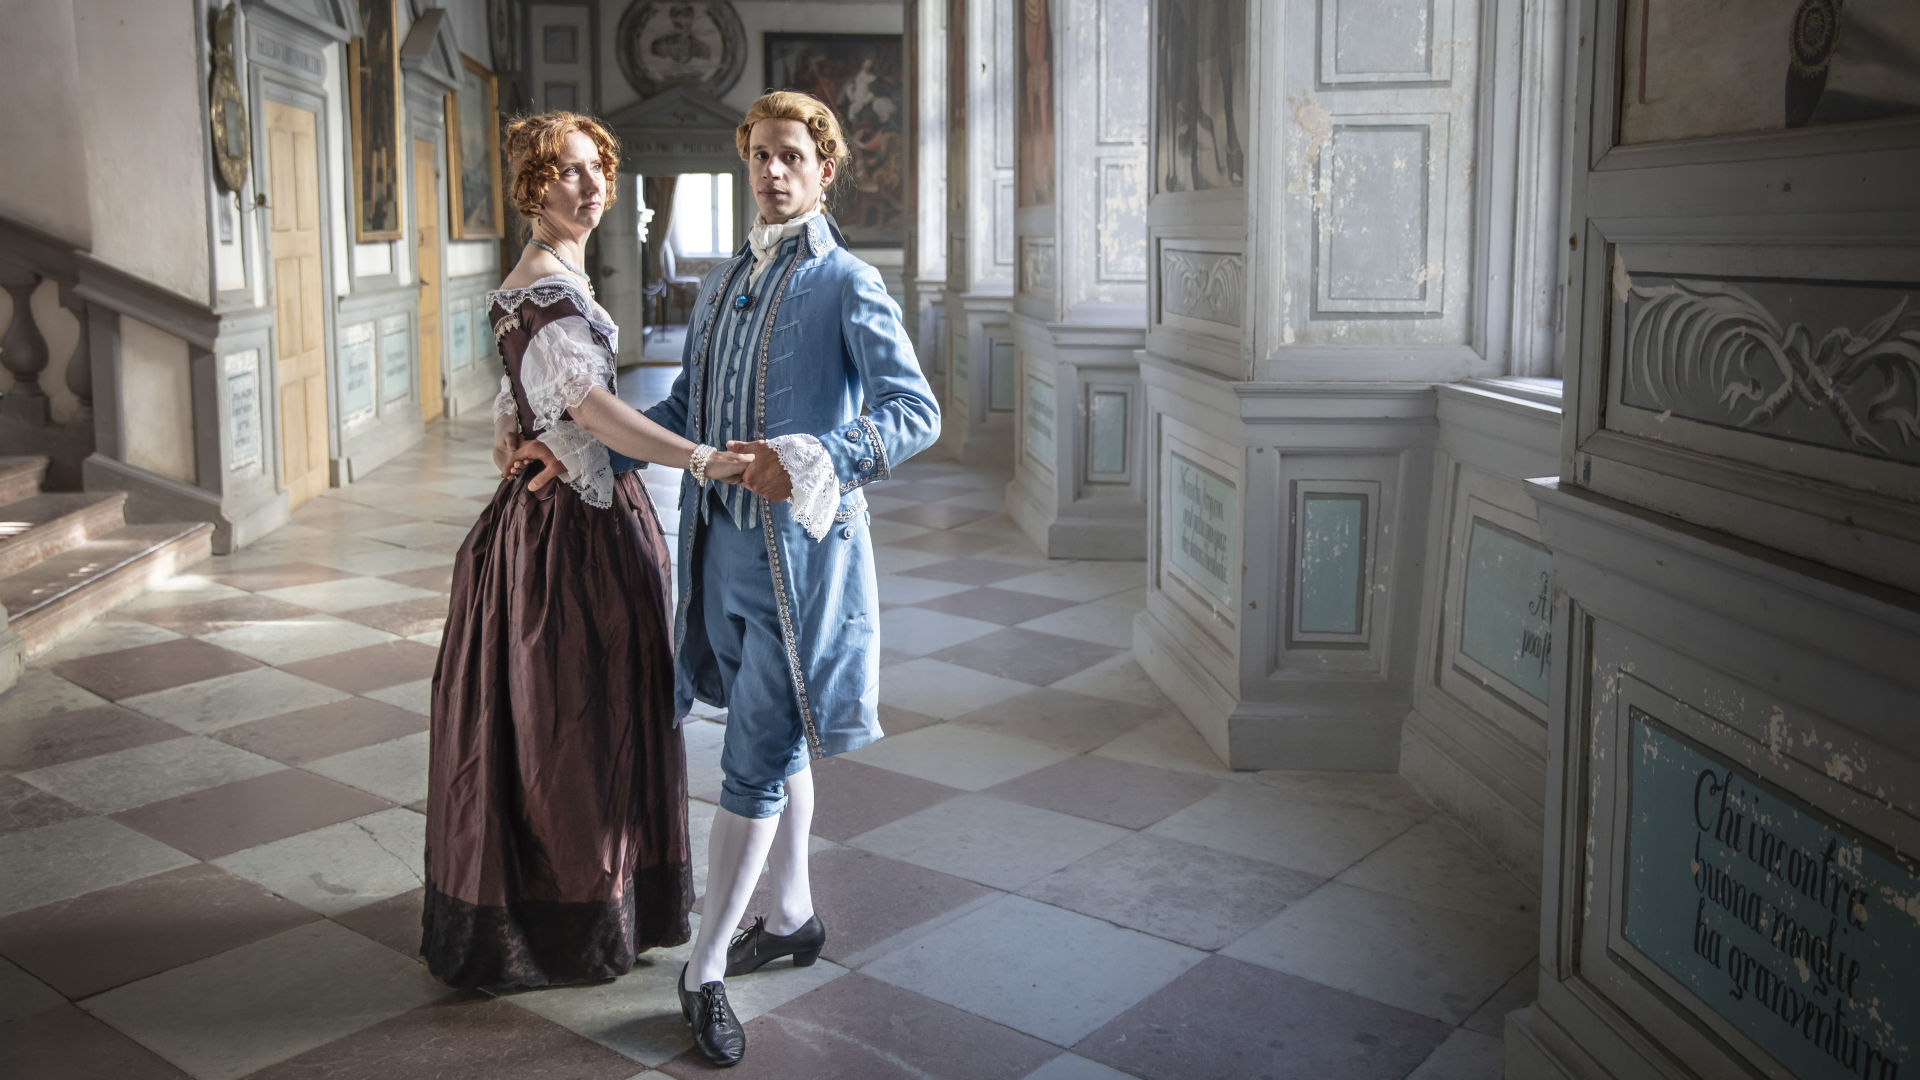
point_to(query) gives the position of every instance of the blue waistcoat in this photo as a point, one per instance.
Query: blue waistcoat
(831, 342)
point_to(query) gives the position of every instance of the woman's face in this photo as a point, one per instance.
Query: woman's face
(574, 202)
(785, 169)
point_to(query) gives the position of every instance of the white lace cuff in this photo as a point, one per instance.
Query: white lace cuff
(503, 403)
(562, 365)
(816, 491)
(588, 471)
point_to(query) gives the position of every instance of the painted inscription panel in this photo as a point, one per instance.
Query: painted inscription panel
(1203, 517)
(1506, 617)
(245, 441)
(1333, 554)
(396, 362)
(356, 372)
(1799, 931)
(1040, 444)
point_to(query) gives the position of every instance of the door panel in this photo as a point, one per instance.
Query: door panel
(300, 357)
(426, 218)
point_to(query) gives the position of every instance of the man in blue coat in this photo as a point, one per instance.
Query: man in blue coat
(795, 353)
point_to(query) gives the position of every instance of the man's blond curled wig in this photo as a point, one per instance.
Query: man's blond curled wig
(533, 145)
(828, 143)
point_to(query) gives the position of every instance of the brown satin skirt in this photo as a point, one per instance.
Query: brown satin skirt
(557, 783)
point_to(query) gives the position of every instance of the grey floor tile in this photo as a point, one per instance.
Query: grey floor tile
(1061, 718)
(943, 690)
(1116, 792)
(23, 995)
(1182, 892)
(1519, 992)
(41, 693)
(1035, 968)
(1228, 1020)
(1075, 1067)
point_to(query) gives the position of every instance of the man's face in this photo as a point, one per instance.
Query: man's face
(785, 168)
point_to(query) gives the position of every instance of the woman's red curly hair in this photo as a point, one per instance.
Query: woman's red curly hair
(533, 153)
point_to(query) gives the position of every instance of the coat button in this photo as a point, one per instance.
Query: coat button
(866, 463)
(847, 533)
(853, 436)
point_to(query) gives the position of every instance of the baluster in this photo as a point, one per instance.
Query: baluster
(23, 350)
(80, 365)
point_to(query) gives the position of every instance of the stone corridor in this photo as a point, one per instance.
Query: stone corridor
(210, 829)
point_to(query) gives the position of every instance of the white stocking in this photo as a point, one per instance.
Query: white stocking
(792, 889)
(735, 853)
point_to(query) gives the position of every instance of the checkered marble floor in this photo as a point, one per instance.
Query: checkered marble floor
(210, 832)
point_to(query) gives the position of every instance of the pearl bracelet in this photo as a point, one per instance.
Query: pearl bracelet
(697, 464)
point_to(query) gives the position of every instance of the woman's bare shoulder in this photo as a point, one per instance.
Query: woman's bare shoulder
(532, 267)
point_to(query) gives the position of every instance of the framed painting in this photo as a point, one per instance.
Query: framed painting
(473, 153)
(1200, 130)
(1695, 68)
(373, 63)
(858, 75)
(1036, 104)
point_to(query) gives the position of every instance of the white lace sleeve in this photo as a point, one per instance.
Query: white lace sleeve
(562, 364)
(503, 403)
(583, 457)
(816, 491)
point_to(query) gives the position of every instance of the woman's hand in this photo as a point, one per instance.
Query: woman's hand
(727, 466)
(769, 479)
(505, 442)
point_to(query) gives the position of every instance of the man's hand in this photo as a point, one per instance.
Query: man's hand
(534, 450)
(765, 476)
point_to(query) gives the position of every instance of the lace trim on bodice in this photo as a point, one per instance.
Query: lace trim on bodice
(547, 292)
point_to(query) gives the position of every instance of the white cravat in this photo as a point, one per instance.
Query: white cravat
(765, 241)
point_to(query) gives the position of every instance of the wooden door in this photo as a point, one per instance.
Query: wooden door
(426, 223)
(299, 299)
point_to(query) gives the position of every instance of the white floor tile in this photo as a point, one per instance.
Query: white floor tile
(901, 589)
(288, 641)
(1319, 838)
(942, 690)
(235, 1013)
(341, 867)
(395, 770)
(1435, 863)
(42, 693)
(1100, 623)
(1466, 1055)
(58, 862)
(983, 839)
(416, 696)
(229, 700)
(124, 779)
(345, 594)
(959, 756)
(182, 589)
(109, 633)
(1414, 956)
(1080, 581)
(919, 631)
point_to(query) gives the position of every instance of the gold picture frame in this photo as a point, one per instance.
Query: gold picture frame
(227, 110)
(473, 153)
(373, 84)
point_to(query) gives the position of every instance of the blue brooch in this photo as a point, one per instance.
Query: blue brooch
(743, 302)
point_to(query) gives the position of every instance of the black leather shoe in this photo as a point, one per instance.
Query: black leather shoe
(754, 948)
(716, 1031)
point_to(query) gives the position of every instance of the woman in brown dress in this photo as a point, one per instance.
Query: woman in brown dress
(556, 806)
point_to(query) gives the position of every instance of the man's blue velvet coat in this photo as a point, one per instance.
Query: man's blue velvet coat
(834, 344)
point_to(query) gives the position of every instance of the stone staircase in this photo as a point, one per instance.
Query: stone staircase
(66, 557)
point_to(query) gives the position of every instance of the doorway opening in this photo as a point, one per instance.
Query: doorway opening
(688, 225)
